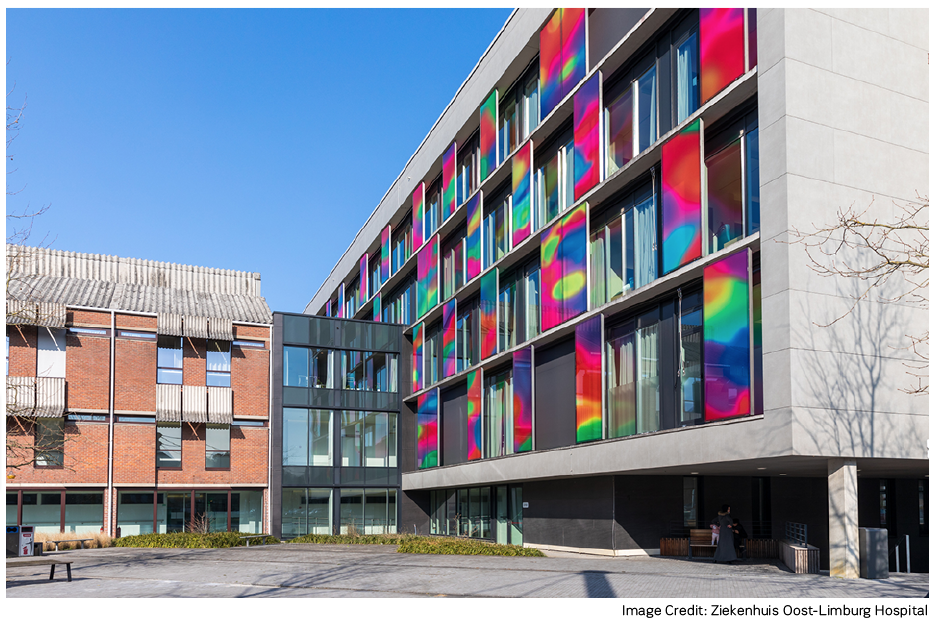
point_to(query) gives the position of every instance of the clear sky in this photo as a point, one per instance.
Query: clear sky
(255, 140)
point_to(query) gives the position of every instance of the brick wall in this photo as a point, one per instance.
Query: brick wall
(246, 331)
(80, 318)
(250, 376)
(134, 453)
(23, 343)
(87, 372)
(85, 459)
(193, 361)
(129, 321)
(248, 458)
(134, 375)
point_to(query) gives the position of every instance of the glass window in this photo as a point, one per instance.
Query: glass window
(546, 192)
(169, 359)
(218, 359)
(633, 377)
(531, 113)
(687, 78)
(619, 122)
(173, 511)
(752, 184)
(531, 298)
(494, 230)
(352, 431)
(646, 98)
(397, 308)
(351, 298)
(135, 513)
(466, 336)
(453, 264)
(433, 208)
(43, 510)
(432, 354)
(50, 442)
(12, 501)
(352, 510)
(213, 506)
(295, 436)
(497, 427)
(247, 511)
(373, 372)
(296, 366)
(50, 361)
(305, 510)
(373, 272)
(466, 171)
(168, 445)
(690, 502)
(690, 358)
(506, 320)
(507, 136)
(217, 446)
(376, 439)
(725, 202)
(401, 246)
(624, 250)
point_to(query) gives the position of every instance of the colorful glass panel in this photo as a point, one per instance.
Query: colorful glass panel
(427, 430)
(448, 338)
(682, 197)
(474, 414)
(488, 313)
(328, 309)
(488, 139)
(574, 252)
(362, 268)
(726, 328)
(588, 389)
(417, 357)
(427, 276)
(721, 49)
(522, 169)
(384, 254)
(551, 64)
(551, 276)
(473, 238)
(419, 200)
(573, 48)
(523, 400)
(587, 130)
(340, 312)
(377, 309)
(448, 182)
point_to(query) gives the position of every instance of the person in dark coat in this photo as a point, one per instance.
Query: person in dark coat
(740, 535)
(725, 552)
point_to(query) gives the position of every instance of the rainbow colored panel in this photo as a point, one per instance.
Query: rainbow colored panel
(721, 49)
(574, 252)
(522, 169)
(573, 48)
(523, 400)
(365, 278)
(551, 64)
(682, 197)
(384, 255)
(417, 357)
(488, 313)
(474, 414)
(488, 139)
(427, 430)
(328, 309)
(377, 310)
(473, 237)
(340, 312)
(587, 129)
(419, 206)
(448, 338)
(551, 276)
(427, 277)
(726, 327)
(588, 389)
(448, 182)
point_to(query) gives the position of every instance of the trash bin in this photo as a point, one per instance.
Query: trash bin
(20, 540)
(872, 553)
(12, 540)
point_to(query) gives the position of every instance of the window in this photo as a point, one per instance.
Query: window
(351, 298)
(217, 446)
(506, 318)
(86, 418)
(733, 181)
(687, 77)
(50, 442)
(432, 354)
(307, 437)
(397, 309)
(373, 372)
(169, 359)
(518, 303)
(466, 170)
(368, 439)
(631, 116)
(497, 427)
(307, 367)
(218, 360)
(137, 419)
(374, 272)
(453, 264)
(633, 376)
(519, 111)
(136, 335)
(495, 227)
(85, 331)
(624, 246)
(553, 179)
(466, 336)
(751, 148)
(367, 511)
(247, 344)
(401, 246)
(433, 208)
(306, 510)
(50, 362)
(689, 369)
(168, 445)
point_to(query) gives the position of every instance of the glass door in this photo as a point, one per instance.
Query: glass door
(502, 519)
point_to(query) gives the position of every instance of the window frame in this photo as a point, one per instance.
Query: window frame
(219, 375)
(168, 464)
(215, 452)
(163, 371)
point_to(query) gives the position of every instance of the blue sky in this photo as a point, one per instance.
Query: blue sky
(254, 140)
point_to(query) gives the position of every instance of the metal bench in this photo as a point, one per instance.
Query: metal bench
(265, 537)
(20, 562)
(80, 542)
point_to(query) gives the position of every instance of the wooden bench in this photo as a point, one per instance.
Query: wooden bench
(701, 541)
(265, 537)
(19, 562)
(80, 542)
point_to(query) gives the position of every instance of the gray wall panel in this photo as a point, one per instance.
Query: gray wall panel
(454, 442)
(569, 512)
(554, 423)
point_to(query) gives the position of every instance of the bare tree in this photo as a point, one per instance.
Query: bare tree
(876, 251)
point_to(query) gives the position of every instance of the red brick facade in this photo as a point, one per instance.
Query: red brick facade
(249, 366)
(85, 459)
(193, 361)
(87, 372)
(23, 344)
(134, 375)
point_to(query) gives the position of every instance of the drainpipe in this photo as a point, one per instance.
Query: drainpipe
(111, 530)
(269, 499)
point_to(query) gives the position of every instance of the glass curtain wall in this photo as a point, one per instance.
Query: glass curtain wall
(466, 336)
(519, 306)
(634, 376)
(624, 248)
(689, 309)
(453, 264)
(497, 424)
(368, 439)
(306, 510)
(495, 229)
(401, 246)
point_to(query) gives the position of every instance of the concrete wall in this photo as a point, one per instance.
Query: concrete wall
(843, 114)
(569, 513)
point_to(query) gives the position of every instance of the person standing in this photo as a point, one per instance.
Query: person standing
(725, 552)
(740, 535)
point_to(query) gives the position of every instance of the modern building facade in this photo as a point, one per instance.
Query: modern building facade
(137, 395)
(608, 329)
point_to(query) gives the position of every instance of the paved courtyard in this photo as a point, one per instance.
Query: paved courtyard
(292, 570)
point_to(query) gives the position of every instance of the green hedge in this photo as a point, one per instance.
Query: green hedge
(318, 538)
(220, 540)
(461, 546)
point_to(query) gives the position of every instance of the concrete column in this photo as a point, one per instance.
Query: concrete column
(843, 518)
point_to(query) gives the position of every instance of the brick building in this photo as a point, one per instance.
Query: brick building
(137, 394)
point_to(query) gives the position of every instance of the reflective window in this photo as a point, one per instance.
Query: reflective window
(368, 439)
(453, 264)
(50, 360)
(135, 512)
(401, 246)
(49, 442)
(368, 511)
(689, 309)
(466, 181)
(497, 426)
(169, 359)
(247, 511)
(646, 88)
(466, 336)
(432, 209)
(494, 229)
(43, 510)
(218, 360)
(373, 372)
(217, 446)
(752, 176)
(305, 511)
(168, 445)
(432, 354)
(307, 431)
(687, 77)
(725, 196)
(307, 367)
(633, 376)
